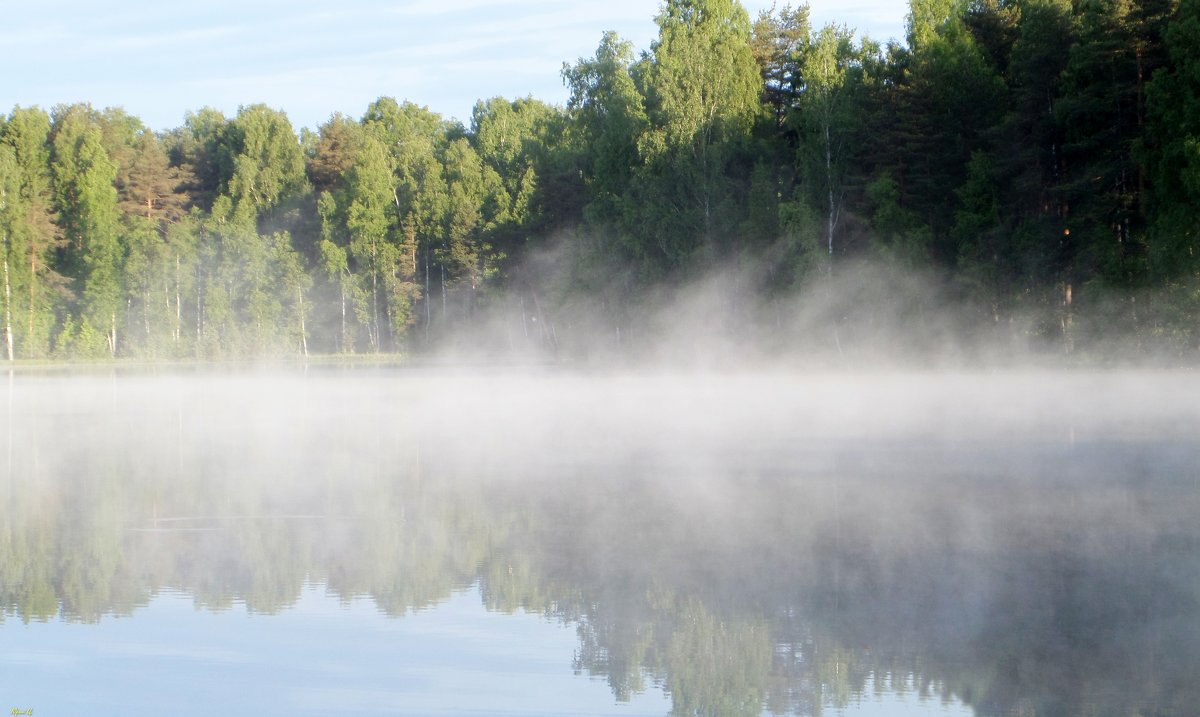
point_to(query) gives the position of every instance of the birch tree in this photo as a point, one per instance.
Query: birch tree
(416, 139)
(702, 91)
(370, 191)
(608, 112)
(826, 105)
(267, 165)
(10, 211)
(37, 286)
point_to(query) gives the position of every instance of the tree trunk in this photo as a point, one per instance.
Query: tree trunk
(342, 346)
(199, 308)
(32, 299)
(303, 331)
(428, 307)
(832, 219)
(146, 314)
(8, 333)
(374, 332)
(178, 309)
(1068, 320)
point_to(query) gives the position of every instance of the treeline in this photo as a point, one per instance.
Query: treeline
(1040, 156)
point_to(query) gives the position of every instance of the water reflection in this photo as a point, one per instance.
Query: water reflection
(1021, 545)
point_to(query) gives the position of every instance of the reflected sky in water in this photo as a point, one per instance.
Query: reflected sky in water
(323, 655)
(320, 655)
(410, 542)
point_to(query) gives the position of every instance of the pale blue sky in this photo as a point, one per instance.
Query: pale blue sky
(325, 656)
(160, 59)
(322, 656)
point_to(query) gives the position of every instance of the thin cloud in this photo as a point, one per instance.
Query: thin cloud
(451, 7)
(39, 38)
(135, 43)
(301, 54)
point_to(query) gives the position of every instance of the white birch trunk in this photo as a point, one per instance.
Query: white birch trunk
(8, 333)
(178, 309)
(832, 220)
(303, 330)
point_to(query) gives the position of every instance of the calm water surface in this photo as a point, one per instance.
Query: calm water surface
(414, 542)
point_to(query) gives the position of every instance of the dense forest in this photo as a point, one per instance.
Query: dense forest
(1038, 159)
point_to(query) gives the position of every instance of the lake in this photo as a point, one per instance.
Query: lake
(358, 540)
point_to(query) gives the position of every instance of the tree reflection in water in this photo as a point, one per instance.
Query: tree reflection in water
(742, 563)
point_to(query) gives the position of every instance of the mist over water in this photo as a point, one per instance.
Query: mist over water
(858, 315)
(780, 541)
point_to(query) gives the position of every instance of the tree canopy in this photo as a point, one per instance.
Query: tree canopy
(1038, 157)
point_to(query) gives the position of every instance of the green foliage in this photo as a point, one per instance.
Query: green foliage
(36, 288)
(703, 87)
(977, 228)
(11, 254)
(1172, 148)
(778, 40)
(702, 95)
(523, 142)
(197, 149)
(1103, 114)
(476, 204)
(930, 19)
(337, 145)
(87, 202)
(608, 113)
(267, 165)
(901, 235)
(831, 65)
(716, 667)
(369, 191)
(1037, 154)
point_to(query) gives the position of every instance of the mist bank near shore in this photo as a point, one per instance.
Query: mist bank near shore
(864, 314)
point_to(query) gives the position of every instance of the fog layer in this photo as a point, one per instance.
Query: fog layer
(1013, 539)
